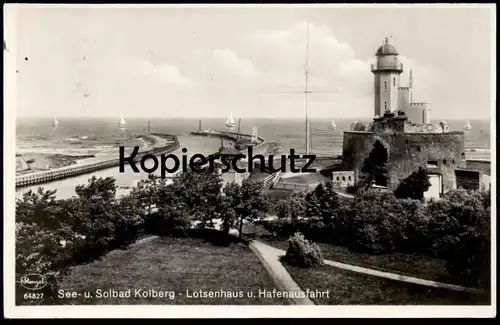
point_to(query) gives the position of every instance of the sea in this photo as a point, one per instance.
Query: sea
(102, 137)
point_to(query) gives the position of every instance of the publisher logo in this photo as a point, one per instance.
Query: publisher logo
(33, 281)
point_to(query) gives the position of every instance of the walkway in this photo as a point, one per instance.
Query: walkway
(272, 255)
(270, 258)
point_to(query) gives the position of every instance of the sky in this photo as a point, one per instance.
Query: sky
(209, 61)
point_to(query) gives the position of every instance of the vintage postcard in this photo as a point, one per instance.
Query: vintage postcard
(187, 161)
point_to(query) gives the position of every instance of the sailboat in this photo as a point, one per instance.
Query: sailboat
(55, 123)
(468, 126)
(230, 121)
(333, 125)
(122, 122)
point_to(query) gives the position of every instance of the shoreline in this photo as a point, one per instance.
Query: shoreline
(28, 162)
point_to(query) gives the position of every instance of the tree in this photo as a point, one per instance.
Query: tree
(147, 191)
(254, 202)
(292, 207)
(240, 203)
(102, 188)
(97, 215)
(328, 200)
(460, 227)
(172, 212)
(200, 191)
(414, 186)
(313, 205)
(374, 166)
(39, 208)
(131, 223)
(230, 204)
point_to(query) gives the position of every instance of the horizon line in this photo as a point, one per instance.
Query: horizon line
(225, 117)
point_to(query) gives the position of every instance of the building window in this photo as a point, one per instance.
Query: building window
(338, 178)
(444, 161)
(453, 161)
(349, 177)
(394, 82)
(462, 155)
(385, 105)
(418, 148)
(385, 85)
(343, 178)
(432, 163)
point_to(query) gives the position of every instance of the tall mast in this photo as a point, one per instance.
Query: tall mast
(306, 70)
(239, 124)
(149, 127)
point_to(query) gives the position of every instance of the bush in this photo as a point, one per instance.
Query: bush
(373, 223)
(414, 186)
(303, 253)
(165, 224)
(464, 225)
(45, 252)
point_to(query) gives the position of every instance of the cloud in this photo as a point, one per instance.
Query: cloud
(230, 61)
(164, 73)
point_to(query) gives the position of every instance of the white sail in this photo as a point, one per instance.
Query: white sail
(122, 122)
(468, 126)
(333, 125)
(55, 122)
(230, 121)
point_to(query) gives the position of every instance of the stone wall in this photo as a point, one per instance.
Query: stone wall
(407, 152)
(424, 128)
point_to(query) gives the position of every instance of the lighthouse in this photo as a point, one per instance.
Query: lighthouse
(386, 71)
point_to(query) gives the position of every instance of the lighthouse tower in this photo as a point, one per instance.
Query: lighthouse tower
(386, 72)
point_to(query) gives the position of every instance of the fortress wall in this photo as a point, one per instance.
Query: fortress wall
(407, 152)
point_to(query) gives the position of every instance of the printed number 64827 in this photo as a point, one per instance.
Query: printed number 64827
(33, 295)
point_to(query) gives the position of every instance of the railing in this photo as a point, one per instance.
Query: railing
(271, 180)
(294, 186)
(31, 179)
(398, 66)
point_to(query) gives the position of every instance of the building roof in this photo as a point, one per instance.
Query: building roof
(386, 49)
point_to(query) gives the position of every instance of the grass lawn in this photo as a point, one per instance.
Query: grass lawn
(405, 264)
(351, 288)
(172, 264)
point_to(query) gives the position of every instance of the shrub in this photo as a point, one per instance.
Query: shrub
(303, 253)
(468, 254)
(416, 232)
(372, 223)
(414, 186)
(46, 252)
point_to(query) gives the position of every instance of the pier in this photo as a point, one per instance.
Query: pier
(71, 171)
(232, 136)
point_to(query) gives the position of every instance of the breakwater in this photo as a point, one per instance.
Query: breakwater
(259, 148)
(72, 171)
(233, 136)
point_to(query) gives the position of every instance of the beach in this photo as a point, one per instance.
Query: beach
(35, 161)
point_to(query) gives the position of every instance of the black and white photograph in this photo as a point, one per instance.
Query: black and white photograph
(181, 161)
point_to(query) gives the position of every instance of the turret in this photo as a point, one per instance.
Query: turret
(386, 71)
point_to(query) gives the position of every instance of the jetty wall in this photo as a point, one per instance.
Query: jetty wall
(72, 171)
(233, 136)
